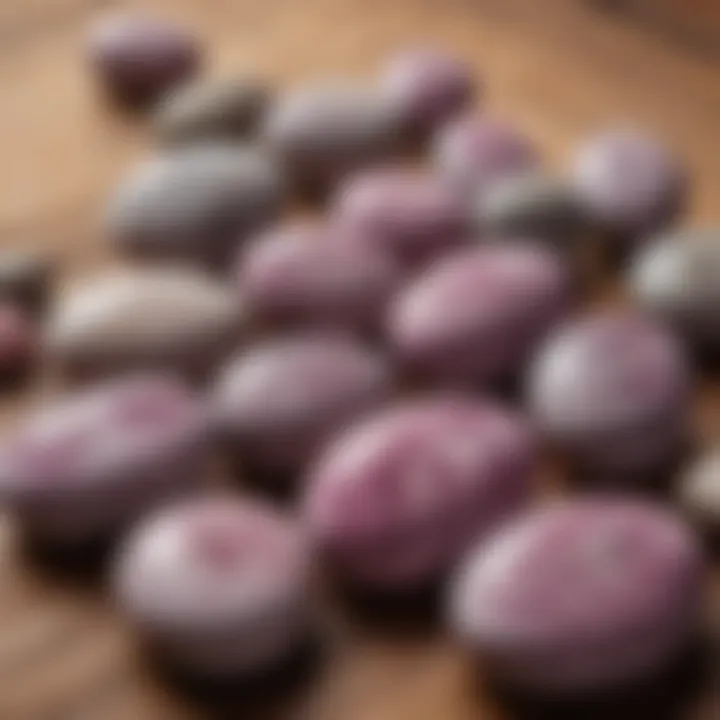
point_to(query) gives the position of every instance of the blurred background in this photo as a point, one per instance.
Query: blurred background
(560, 67)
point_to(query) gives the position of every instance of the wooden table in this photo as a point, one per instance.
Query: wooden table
(555, 66)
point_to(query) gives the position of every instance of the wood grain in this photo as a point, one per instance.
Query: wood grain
(557, 67)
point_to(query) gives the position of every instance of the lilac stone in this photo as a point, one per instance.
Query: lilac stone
(477, 315)
(580, 596)
(474, 152)
(630, 184)
(138, 59)
(277, 402)
(611, 389)
(85, 466)
(394, 501)
(412, 215)
(302, 274)
(217, 586)
(431, 87)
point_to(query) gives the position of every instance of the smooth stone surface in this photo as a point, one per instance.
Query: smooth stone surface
(430, 85)
(630, 184)
(580, 595)
(169, 318)
(219, 585)
(196, 203)
(612, 390)
(406, 212)
(676, 277)
(84, 466)
(474, 152)
(325, 130)
(533, 205)
(395, 500)
(699, 491)
(279, 401)
(139, 58)
(230, 108)
(303, 274)
(477, 315)
(25, 277)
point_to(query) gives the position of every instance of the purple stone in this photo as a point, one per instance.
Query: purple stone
(87, 465)
(310, 275)
(218, 586)
(138, 59)
(278, 402)
(430, 86)
(474, 152)
(410, 214)
(630, 184)
(396, 499)
(612, 390)
(581, 595)
(476, 315)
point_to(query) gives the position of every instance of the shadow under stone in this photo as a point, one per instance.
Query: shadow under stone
(668, 695)
(268, 694)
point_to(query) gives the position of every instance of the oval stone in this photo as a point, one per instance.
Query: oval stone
(676, 277)
(170, 318)
(139, 58)
(196, 203)
(219, 586)
(395, 500)
(586, 595)
(326, 130)
(229, 108)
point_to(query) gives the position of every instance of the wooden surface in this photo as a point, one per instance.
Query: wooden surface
(695, 22)
(557, 68)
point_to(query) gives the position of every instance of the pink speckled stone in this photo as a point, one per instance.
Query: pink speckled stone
(279, 401)
(580, 595)
(477, 315)
(411, 214)
(612, 390)
(395, 500)
(309, 275)
(630, 184)
(218, 585)
(473, 152)
(85, 466)
(138, 59)
(431, 87)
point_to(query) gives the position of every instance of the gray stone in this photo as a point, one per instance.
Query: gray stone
(534, 206)
(324, 131)
(229, 109)
(157, 318)
(677, 278)
(196, 203)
